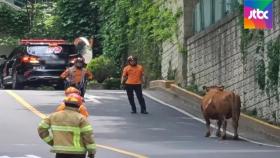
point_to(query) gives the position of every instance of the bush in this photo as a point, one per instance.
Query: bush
(112, 83)
(194, 88)
(102, 68)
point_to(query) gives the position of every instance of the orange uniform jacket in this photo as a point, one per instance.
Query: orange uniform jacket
(134, 74)
(76, 75)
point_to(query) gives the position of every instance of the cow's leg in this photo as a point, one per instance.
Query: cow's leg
(207, 126)
(235, 127)
(236, 115)
(224, 122)
(218, 132)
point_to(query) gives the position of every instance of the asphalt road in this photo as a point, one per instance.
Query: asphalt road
(163, 133)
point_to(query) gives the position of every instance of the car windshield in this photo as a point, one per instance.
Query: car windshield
(45, 50)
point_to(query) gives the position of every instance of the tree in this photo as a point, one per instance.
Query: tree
(78, 18)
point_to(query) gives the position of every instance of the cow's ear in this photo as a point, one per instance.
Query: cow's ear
(205, 88)
(221, 88)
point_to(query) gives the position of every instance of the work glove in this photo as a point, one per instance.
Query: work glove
(122, 86)
(91, 155)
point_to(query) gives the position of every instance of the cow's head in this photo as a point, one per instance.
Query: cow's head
(214, 88)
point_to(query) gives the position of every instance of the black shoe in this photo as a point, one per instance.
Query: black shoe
(133, 112)
(144, 112)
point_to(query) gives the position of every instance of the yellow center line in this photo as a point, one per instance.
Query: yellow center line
(41, 115)
(26, 104)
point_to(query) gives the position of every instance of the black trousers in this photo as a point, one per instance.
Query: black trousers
(138, 90)
(59, 155)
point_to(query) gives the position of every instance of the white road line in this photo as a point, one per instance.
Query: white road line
(202, 121)
(96, 99)
(108, 92)
(26, 156)
(206, 151)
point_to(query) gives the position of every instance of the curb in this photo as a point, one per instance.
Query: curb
(262, 127)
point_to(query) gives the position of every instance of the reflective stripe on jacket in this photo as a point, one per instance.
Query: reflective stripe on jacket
(71, 133)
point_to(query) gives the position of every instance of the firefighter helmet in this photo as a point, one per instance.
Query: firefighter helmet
(71, 90)
(73, 100)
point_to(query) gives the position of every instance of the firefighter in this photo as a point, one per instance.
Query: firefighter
(132, 79)
(68, 132)
(82, 109)
(77, 75)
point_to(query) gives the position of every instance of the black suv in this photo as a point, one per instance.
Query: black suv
(37, 62)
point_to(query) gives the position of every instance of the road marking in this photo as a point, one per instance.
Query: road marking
(26, 104)
(96, 99)
(223, 151)
(91, 98)
(122, 151)
(41, 115)
(202, 121)
(26, 156)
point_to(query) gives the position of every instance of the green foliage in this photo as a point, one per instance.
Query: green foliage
(246, 35)
(33, 21)
(76, 18)
(260, 64)
(171, 74)
(45, 21)
(260, 74)
(246, 38)
(102, 68)
(13, 24)
(273, 54)
(114, 19)
(252, 112)
(194, 88)
(8, 41)
(137, 28)
(121, 26)
(112, 83)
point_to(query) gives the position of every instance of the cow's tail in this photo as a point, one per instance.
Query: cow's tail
(236, 106)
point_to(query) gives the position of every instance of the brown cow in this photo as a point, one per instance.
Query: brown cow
(221, 105)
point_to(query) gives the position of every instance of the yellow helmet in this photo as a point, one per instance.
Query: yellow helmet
(71, 90)
(73, 99)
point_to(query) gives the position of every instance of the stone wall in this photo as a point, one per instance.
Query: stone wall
(214, 57)
(174, 63)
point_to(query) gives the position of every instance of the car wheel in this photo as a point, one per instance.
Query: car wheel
(16, 84)
(7, 86)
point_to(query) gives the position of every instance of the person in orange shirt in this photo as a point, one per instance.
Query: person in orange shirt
(82, 108)
(77, 75)
(132, 79)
